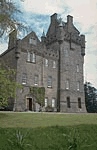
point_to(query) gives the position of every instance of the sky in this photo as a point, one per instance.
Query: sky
(36, 15)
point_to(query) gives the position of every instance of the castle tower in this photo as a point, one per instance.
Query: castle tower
(66, 39)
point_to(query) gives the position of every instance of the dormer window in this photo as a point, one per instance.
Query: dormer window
(32, 40)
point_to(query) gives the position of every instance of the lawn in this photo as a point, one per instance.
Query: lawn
(33, 120)
(48, 131)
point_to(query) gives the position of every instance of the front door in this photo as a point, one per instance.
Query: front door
(29, 104)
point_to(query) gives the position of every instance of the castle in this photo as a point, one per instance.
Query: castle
(54, 64)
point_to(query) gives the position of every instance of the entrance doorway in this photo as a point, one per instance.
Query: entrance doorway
(29, 104)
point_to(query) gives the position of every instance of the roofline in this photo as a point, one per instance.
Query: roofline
(6, 51)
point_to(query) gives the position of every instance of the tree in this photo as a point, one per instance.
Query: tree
(8, 85)
(8, 19)
(38, 94)
(90, 97)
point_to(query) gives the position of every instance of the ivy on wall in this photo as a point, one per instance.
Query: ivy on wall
(38, 94)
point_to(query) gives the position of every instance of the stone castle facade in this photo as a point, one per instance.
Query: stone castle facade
(55, 63)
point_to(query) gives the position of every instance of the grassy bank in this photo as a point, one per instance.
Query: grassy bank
(42, 131)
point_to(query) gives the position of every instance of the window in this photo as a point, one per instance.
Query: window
(32, 40)
(78, 86)
(68, 102)
(28, 56)
(54, 64)
(24, 78)
(36, 80)
(49, 81)
(66, 52)
(77, 68)
(46, 62)
(46, 100)
(33, 57)
(53, 102)
(79, 103)
(67, 84)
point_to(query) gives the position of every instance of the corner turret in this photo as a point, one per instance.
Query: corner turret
(43, 37)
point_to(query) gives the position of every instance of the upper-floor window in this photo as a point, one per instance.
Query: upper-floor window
(49, 84)
(46, 62)
(28, 56)
(53, 102)
(54, 64)
(31, 57)
(24, 78)
(68, 102)
(32, 40)
(67, 84)
(77, 68)
(78, 85)
(66, 52)
(36, 78)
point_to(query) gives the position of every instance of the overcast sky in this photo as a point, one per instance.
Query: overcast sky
(36, 14)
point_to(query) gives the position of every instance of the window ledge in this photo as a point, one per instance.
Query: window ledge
(49, 86)
(31, 62)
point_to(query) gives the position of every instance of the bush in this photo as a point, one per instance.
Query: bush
(49, 109)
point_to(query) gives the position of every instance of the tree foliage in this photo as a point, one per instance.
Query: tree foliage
(8, 19)
(90, 97)
(38, 94)
(8, 85)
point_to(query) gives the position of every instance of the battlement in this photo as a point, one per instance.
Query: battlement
(67, 31)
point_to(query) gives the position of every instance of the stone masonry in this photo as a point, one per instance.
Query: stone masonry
(55, 63)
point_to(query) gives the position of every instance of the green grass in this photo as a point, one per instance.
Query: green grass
(42, 131)
(50, 138)
(32, 120)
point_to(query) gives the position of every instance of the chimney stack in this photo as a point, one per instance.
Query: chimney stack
(69, 19)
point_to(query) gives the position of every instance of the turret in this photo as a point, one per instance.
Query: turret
(53, 18)
(43, 37)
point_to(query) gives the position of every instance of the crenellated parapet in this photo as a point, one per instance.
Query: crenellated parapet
(60, 31)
